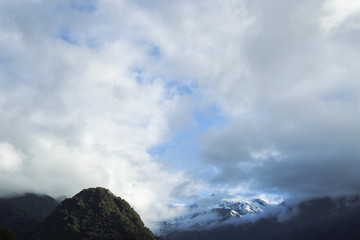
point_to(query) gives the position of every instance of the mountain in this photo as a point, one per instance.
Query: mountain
(321, 218)
(92, 214)
(38, 206)
(96, 213)
(230, 209)
(212, 212)
(21, 213)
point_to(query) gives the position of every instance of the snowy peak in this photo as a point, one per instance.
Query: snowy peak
(244, 207)
(214, 210)
(229, 209)
(330, 218)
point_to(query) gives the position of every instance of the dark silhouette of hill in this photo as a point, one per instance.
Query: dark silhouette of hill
(94, 213)
(6, 234)
(38, 206)
(21, 213)
(322, 218)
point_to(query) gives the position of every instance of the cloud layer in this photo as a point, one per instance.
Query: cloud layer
(76, 108)
(88, 88)
(299, 130)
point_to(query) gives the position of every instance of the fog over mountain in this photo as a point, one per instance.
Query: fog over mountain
(166, 102)
(320, 218)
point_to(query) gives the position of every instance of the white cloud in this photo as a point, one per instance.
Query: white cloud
(10, 158)
(336, 12)
(77, 111)
(85, 92)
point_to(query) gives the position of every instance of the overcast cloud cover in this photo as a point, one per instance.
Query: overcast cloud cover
(164, 101)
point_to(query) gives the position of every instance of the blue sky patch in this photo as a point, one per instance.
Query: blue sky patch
(66, 35)
(154, 51)
(182, 89)
(139, 74)
(182, 150)
(85, 6)
(209, 117)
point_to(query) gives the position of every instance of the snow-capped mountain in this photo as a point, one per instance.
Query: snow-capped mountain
(239, 209)
(330, 218)
(213, 211)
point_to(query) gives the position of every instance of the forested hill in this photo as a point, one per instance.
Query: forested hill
(93, 213)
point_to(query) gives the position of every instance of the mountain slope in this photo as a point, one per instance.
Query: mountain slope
(93, 213)
(209, 212)
(38, 206)
(22, 213)
(322, 218)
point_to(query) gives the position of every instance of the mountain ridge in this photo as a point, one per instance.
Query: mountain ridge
(22, 213)
(96, 213)
(210, 212)
(320, 218)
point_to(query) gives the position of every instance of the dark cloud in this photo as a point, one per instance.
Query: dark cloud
(299, 132)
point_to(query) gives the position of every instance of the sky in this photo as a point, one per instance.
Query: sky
(169, 101)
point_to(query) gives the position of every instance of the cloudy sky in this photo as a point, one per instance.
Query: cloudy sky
(167, 101)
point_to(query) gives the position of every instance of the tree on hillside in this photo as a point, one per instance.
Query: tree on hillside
(6, 234)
